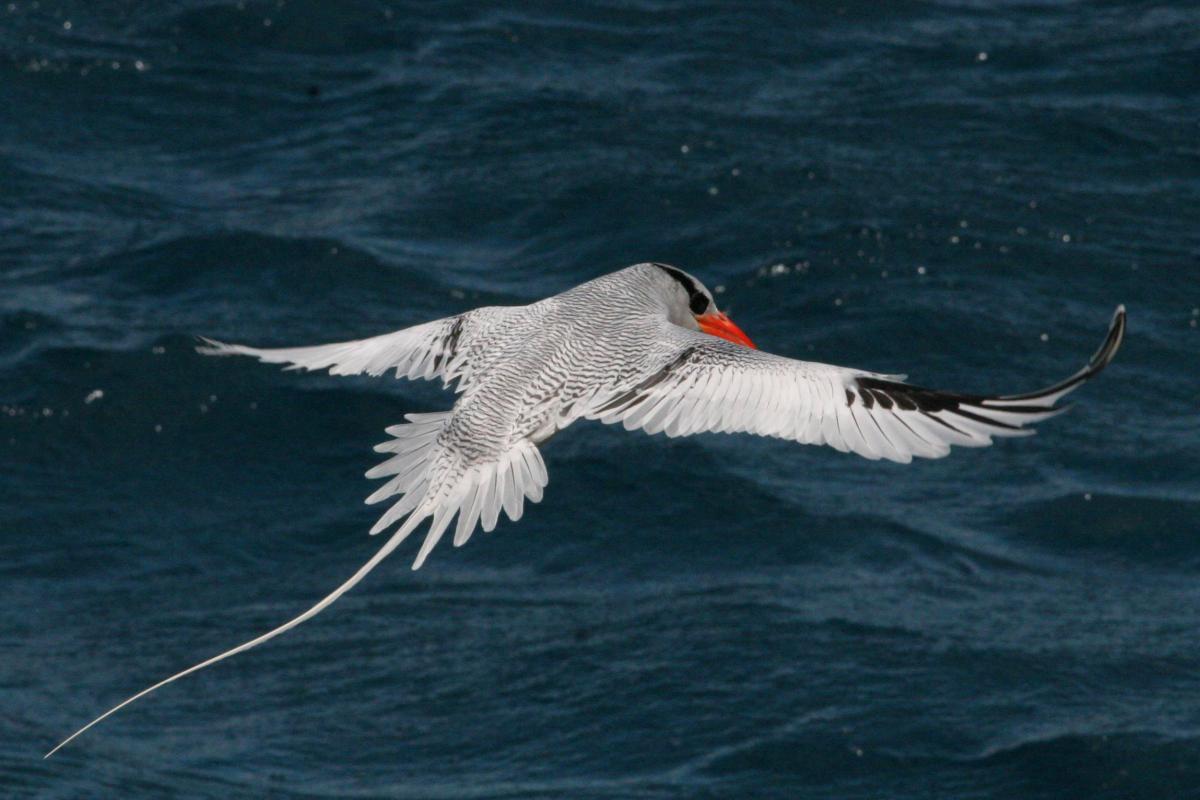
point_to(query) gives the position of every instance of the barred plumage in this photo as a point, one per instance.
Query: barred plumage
(644, 346)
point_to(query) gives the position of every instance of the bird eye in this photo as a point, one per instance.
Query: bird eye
(699, 303)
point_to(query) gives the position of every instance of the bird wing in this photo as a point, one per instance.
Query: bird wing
(710, 384)
(431, 350)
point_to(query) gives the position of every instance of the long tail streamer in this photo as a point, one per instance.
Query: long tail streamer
(391, 544)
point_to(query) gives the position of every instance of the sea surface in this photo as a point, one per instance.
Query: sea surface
(960, 191)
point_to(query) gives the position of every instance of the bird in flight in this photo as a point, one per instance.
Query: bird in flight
(644, 346)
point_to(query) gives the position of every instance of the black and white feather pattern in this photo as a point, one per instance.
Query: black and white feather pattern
(712, 385)
(621, 348)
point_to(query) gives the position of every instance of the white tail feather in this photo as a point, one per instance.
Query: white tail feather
(477, 495)
(391, 544)
(432, 484)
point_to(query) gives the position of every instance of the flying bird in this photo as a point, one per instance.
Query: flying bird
(644, 346)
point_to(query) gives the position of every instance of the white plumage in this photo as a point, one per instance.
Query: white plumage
(645, 347)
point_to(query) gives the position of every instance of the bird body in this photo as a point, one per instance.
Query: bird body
(644, 346)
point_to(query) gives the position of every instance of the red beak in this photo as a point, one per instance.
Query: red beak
(715, 323)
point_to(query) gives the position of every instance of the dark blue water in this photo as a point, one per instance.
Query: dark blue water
(960, 191)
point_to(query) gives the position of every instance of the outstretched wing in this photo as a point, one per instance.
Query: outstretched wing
(715, 385)
(428, 351)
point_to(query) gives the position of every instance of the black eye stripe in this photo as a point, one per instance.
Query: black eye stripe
(697, 301)
(688, 285)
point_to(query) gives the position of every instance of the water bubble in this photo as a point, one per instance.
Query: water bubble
(1045, 337)
(981, 56)
(685, 149)
(93, 396)
(921, 270)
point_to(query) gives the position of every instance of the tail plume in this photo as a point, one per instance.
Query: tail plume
(392, 543)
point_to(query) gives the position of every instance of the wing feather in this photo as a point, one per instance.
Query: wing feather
(431, 350)
(713, 385)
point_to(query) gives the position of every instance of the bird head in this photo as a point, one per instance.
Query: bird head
(691, 305)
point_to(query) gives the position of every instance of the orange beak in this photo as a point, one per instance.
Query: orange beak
(715, 323)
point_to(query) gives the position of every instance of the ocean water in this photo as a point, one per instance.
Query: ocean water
(961, 191)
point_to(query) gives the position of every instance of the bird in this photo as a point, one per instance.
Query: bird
(646, 347)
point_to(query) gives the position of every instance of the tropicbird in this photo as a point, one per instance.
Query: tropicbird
(644, 346)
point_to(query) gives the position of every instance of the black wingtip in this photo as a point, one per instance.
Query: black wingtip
(1112, 342)
(1101, 359)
